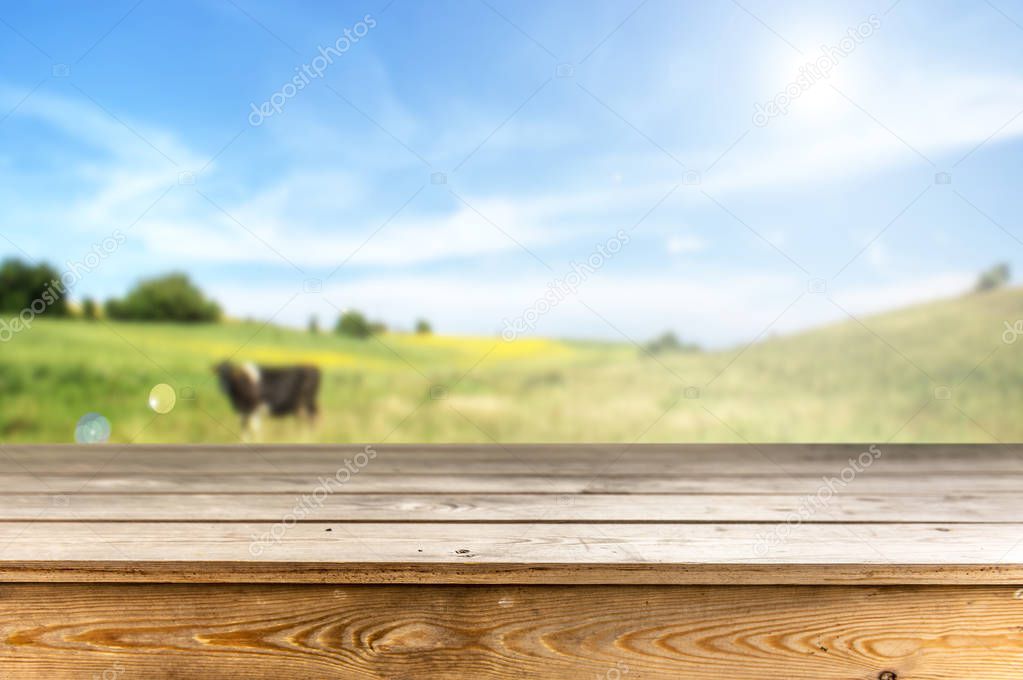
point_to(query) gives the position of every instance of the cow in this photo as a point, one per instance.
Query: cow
(278, 390)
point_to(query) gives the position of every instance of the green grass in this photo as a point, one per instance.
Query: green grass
(866, 382)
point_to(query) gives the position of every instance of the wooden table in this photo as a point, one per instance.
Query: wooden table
(612, 562)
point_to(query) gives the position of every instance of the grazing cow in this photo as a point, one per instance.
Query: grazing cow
(279, 391)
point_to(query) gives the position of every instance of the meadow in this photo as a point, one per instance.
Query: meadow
(938, 372)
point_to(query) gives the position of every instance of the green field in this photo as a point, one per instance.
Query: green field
(879, 380)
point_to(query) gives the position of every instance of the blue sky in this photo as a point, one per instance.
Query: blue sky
(554, 124)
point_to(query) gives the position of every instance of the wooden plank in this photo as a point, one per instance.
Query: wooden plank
(110, 480)
(505, 632)
(845, 507)
(553, 553)
(169, 571)
(717, 460)
(726, 562)
(801, 451)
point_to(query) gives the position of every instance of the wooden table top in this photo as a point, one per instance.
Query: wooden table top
(554, 514)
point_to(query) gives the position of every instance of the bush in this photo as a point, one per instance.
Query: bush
(168, 298)
(22, 284)
(90, 310)
(423, 327)
(669, 342)
(354, 325)
(993, 278)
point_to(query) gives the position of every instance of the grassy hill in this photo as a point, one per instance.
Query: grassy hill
(883, 379)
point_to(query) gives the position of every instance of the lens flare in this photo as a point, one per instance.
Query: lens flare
(162, 398)
(92, 428)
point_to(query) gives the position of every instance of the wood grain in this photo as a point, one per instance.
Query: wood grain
(504, 632)
(510, 507)
(546, 561)
(110, 480)
(467, 514)
(726, 575)
(560, 553)
(555, 459)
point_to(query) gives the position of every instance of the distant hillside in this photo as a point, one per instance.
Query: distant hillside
(933, 372)
(888, 375)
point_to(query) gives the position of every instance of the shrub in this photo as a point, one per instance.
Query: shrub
(423, 327)
(354, 325)
(993, 278)
(22, 284)
(90, 310)
(167, 298)
(669, 342)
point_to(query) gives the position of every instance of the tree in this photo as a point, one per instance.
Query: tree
(36, 288)
(669, 342)
(353, 324)
(423, 327)
(314, 324)
(993, 278)
(167, 298)
(90, 310)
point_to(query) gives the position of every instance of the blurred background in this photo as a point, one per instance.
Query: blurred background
(495, 221)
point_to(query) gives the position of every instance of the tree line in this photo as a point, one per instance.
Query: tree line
(175, 298)
(171, 297)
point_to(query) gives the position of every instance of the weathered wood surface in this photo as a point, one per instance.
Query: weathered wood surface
(949, 508)
(590, 561)
(577, 459)
(111, 481)
(515, 514)
(506, 632)
(562, 549)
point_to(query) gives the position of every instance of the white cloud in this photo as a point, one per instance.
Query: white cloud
(297, 217)
(267, 237)
(686, 243)
(129, 166)
(936, 117)
(318, 218)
